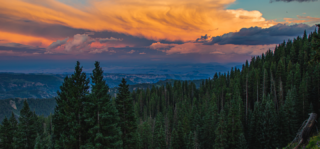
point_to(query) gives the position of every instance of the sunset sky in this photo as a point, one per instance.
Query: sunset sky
(53, 34)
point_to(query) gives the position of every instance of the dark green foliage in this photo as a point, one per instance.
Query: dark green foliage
(69, 126)
(234, 123)
(101, 116)
(44, 139)
(221, 132)
(145, 133)
(124, 104)
(242, 143)
(175, 144)
(160, 139)
(12, 129)
(26, 133)
(4, 134)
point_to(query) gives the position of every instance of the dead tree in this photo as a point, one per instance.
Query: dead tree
(306, 131)
(308, 127)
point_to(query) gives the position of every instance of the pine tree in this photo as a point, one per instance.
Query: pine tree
(12, 129)
(221, 132)
(210, 121)
(128, 124)
(234, 123)
(181, 136)
(190, 141)
(38, 144)
(293, 55)
(242, 144)
(101, 115)
(297, 75)
(26, 132)
(267, 125)
(175, 140)
(290, 115)
(254, 127)
(44, 140)
(68, 119)
(161, 139)
(4, 134)
(146, 136)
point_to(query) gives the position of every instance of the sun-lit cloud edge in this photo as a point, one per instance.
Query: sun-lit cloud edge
(173, 20)
(200, 48)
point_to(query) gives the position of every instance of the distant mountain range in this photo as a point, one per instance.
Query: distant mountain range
(14, 85)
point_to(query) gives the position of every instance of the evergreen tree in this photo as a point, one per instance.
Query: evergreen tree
(146, 136)
(44, 139)
(12, 129)
(234, 123)
(68, 120)
(4, 134)
(242, 144)
(267, 125)
(27, 130)
(101, 115)
(128, 124)
(161, 140)
(175, 140)
(190, 141)
(221, 132)
(291, 116)
(210, 120)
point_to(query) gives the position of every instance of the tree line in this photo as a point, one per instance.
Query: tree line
(261, 105)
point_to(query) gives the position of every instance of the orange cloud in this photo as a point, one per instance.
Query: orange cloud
(24, 39)
(226, 49)
(303, 19)
(166, 19)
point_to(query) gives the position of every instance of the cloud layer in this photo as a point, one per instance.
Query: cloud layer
(260, 36)
(168, 19)
(140, 30)
(200, 48)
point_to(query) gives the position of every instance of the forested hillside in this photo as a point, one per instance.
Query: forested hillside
(262, 105)
(143, 86)
(40, 106)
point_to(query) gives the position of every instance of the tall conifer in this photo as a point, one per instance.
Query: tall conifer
(4, 134)
(69, 126)
(128, 124)
(26, 132)
(101, 115)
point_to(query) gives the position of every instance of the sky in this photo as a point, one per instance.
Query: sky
(51, 35)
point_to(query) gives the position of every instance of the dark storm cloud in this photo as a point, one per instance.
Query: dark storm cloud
(292, 1)
(203, 39)
(260, 36)
(172, 42)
